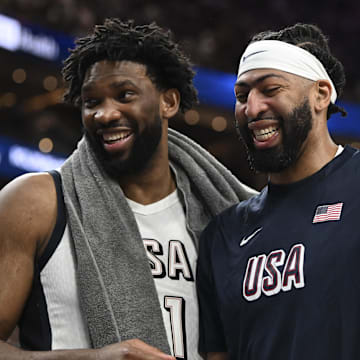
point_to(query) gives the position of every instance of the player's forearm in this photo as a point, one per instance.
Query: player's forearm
(9, 352)
(128, 349)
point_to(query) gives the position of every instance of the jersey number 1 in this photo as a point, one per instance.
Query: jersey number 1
(176, 307)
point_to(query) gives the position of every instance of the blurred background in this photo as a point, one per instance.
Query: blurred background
(37, 131)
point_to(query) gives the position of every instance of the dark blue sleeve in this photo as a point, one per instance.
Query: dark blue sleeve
(210, 325)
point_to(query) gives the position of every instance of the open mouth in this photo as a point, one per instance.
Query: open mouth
(265, 134)
(111, 138)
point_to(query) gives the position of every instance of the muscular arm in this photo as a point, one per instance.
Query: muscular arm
(27, 217)
(28, 210)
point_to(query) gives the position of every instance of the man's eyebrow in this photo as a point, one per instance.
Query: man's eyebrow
(88, 87)
(119, 84)
(259, 80)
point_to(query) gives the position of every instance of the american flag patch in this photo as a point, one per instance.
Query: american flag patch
(328, 213)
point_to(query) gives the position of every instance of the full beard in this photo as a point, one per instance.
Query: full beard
(295, 129)
(143, 148)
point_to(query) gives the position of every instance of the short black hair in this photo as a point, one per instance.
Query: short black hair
(149, 45)
(312, 39)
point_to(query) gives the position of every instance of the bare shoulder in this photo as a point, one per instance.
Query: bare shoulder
(39, 182)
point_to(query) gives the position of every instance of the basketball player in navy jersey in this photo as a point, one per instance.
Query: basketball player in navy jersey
(277, 274)
(97, 259)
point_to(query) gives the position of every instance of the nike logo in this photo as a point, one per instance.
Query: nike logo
(246, 239)
(254, 53)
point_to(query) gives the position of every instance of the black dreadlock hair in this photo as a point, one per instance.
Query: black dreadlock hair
(312, 39)
(148, 45)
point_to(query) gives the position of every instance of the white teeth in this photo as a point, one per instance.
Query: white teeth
(116, 136)
(264, 134)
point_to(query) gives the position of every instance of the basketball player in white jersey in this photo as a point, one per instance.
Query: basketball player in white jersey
(97, 259)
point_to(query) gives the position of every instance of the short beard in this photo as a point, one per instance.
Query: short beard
(295, 129)
(144, 147)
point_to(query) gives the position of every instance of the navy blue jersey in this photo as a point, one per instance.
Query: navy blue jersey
(277, 274)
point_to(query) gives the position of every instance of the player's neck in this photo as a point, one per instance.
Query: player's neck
(311, 160)
(151, 185)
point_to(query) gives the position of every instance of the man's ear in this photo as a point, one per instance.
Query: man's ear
(169, 103)
(322, 95)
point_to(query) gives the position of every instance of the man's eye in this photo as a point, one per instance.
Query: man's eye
(126, 95)
(241, 97)
(89, 103)
(271, 90)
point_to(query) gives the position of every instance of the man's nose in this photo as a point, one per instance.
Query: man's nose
(255, 104)
(107, 113)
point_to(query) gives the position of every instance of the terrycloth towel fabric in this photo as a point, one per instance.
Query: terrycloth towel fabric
(117, 291)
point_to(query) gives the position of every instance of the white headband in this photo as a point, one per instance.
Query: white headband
(274, 54)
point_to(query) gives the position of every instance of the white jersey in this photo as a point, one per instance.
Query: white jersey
(172, 256)
(68, 327)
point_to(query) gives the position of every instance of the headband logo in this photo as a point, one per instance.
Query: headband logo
(254, 53)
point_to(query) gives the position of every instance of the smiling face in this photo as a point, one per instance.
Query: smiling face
(120, 112)
(273, 117)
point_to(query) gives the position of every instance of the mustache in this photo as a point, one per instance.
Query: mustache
(128, 123)
(258, 118)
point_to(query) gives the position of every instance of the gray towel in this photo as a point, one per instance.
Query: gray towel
(117, 291)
